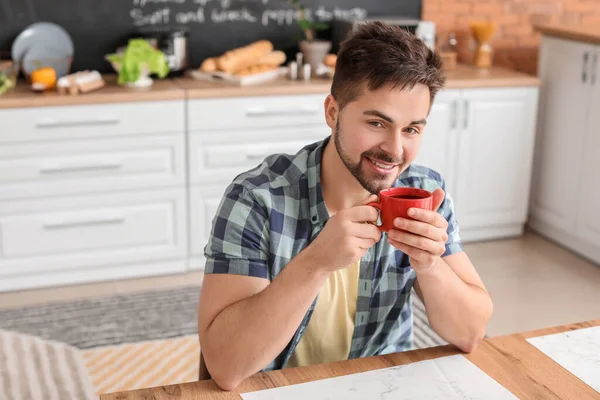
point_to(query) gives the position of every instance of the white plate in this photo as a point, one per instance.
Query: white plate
(42, 34)
(239, 80)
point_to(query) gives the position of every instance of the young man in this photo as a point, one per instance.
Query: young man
(296, 271)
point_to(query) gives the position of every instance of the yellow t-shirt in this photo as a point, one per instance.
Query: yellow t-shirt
(328, 336)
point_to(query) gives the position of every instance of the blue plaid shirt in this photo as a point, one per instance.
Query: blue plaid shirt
(271, 213)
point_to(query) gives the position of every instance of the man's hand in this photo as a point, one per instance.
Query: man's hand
(424, 238)
(346, 237)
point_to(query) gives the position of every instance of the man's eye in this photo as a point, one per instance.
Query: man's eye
(412, 131)
(376, 124)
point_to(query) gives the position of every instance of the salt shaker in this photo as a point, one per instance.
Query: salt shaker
(293, 70)
(306, 72)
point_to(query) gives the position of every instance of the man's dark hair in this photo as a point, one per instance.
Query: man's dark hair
(377, 54)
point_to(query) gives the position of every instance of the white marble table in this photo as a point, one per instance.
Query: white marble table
(514, 363)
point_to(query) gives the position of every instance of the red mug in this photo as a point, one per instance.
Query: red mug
(395, 202)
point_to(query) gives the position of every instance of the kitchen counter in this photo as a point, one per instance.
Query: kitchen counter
(179, 88)
(462, 77)
(588, 34)
(23, 96)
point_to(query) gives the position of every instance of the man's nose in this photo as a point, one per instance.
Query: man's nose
(394, 146)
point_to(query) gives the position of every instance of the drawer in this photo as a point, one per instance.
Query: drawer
(67, 167)
(255, 112)
(80, 232)
(212, 159)
(204, 202)
(84, 121)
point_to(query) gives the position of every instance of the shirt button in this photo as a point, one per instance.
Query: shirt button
(314, 218)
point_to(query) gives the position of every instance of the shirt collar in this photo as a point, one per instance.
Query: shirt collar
(318, 211)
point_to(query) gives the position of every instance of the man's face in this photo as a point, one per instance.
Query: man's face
(379, 135)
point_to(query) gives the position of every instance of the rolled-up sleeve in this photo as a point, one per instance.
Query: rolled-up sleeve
(239, 239)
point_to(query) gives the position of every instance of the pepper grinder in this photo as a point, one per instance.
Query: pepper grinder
(300, 64)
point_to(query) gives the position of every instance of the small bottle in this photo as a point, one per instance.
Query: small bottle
(451, 44)
(306, 72)
(293, 70)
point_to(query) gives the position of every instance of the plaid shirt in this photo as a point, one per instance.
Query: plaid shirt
(271, 213)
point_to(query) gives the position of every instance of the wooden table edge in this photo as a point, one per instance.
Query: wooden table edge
(291, 376)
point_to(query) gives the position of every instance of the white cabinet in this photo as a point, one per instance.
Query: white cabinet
(92, 192)
(566, 190)
(438, 146)
(481, 142)
(231, 136)
(588, 226)
(91, 235)
(494, 159)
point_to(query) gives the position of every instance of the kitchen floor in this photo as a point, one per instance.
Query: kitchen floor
(533, 283)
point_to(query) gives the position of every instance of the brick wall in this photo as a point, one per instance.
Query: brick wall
(515, 44)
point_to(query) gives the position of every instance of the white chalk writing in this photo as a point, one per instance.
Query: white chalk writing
(242, 14)
(221, 11)
(190, 16)
(158, 17)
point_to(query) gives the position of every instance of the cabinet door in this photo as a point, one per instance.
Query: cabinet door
(495, 156)
(439, 138)
(563, 118)
(588, 228)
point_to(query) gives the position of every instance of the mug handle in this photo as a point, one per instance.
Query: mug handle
(378, 207)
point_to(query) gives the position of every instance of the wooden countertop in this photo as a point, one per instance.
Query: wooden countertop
(179, 88)
(23, 96)
(589, 34)
(469, 77)
(510, 360)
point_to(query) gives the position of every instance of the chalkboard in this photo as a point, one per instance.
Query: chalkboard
(99, 27)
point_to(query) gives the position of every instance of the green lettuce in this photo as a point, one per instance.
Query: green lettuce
(138, 55)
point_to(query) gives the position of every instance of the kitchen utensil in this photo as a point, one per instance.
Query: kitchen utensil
(173, 43)
(483, 32)
(42, 34)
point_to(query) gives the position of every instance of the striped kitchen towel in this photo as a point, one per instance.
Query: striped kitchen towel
(32, 368)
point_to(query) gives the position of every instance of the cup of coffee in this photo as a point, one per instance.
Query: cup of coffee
(395, 202)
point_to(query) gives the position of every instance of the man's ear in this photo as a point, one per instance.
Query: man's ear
(331, 111)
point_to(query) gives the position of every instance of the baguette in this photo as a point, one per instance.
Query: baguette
(275, 58)
(237, 59)
(209, 65)
(256, 69)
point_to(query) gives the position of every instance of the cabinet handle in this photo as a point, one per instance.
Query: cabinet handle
(54, 123)
(62, 169)
(586, 56)
(264, 112)
(77, 223)
(466, 120)
(594, 68)
(454, 114)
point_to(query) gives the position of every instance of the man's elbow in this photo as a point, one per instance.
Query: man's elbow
(224, 376)
(226, 382)
(469, 344)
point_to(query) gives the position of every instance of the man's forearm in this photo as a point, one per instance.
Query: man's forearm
(247, 335)
(457, 311)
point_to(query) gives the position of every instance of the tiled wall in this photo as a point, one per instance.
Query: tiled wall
(515, 44)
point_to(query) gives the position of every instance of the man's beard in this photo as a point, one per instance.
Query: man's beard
(377, 182)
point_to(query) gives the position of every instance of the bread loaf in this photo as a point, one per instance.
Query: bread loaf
(256, 69)
(237, 59)
(275, 58)
(209, 65)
